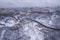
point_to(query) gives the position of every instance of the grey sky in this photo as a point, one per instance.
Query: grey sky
(29, 3)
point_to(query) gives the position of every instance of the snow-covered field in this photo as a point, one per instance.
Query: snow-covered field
(16, 27)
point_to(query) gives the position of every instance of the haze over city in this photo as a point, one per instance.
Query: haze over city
(29, 3)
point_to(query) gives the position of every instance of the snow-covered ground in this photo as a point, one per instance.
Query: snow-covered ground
(30, 30)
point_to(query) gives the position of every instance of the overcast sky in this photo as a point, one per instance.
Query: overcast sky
(29, 3)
